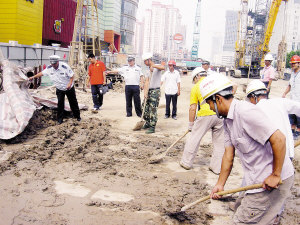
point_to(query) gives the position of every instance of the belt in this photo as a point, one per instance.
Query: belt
(154, 88)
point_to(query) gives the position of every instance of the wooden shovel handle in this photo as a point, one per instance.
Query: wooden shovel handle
(246, 188)
(165, 153)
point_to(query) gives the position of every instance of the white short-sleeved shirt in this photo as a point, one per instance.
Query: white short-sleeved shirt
(60, 77)
(248, 128)
(295, 86)
(171, 80)
(278, 109)
(155, 80)
(131, 74)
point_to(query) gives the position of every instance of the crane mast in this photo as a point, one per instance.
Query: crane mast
(254, 34)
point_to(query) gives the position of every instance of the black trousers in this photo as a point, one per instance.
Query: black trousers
(266, 83)
(170, 98)
(97, 96)
(71, 95)
(133, 91)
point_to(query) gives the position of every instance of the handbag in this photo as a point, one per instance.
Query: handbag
(103, 89)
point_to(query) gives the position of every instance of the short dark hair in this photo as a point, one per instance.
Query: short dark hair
(91, 55)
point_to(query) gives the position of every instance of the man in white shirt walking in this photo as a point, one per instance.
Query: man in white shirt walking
(172, 89)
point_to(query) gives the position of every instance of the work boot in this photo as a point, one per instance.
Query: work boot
(151, 130)
(146, 126)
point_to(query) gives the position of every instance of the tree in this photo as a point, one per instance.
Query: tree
(289, 56)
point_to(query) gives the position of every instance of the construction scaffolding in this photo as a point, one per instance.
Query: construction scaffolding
(86, 39)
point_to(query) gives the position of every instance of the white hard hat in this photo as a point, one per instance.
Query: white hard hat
(196, 71)
(269, 57)
(147, 55)
(54, 59)
(255, 85)
(214, 84)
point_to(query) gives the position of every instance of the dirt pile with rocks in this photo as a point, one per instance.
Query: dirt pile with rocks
(96, 155)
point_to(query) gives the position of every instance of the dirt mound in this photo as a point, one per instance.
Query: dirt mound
(119, 87)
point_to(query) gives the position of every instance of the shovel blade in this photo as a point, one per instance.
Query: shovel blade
(139, 125)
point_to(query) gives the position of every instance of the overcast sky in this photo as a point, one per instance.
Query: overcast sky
(212, 21)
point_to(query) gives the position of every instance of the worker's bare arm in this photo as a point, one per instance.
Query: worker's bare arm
(277, 141)
(287, 90)
(226, 167)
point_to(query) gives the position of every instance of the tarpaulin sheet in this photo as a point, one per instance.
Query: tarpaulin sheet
(17, 104)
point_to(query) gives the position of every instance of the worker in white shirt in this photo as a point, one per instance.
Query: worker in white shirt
(172, 89)
(134, 81)
(268, 73)
(277, 108)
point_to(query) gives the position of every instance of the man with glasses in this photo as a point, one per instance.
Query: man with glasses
(63, 78)
(294, 88)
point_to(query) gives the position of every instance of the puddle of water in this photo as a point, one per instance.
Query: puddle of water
(76, 190)
(112, 196)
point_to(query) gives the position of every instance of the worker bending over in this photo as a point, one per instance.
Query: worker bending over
(277, 108)
(63, 78)
(261, 147)
(206, 120)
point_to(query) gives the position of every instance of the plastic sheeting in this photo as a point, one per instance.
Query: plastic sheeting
(17, 104)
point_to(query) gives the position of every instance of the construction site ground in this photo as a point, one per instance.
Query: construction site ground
(96, 171)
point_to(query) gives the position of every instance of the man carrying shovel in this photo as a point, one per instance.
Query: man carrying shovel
(151, 92)
(206, 120)
(261, 148)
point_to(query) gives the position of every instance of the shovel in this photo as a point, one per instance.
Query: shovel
(159, 158)
(221, 193)
(141, 123)
(182, 215)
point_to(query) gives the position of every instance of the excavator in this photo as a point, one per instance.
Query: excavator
(254, 34)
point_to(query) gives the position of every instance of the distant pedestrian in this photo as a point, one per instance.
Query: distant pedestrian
(268, 73)
(172, 89)
(151, 92)
(134, 81)
(63, 78)
(294, 88)
(97, 79)
(206, 66)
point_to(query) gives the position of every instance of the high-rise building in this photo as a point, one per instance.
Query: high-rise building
(196, 34)
(138, 38)
(128, 20)
(161, 23)
(231, 28)
(216, 48)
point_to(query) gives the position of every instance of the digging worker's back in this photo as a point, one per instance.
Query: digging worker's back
(261, 147)
(206, 120)
(63, 78)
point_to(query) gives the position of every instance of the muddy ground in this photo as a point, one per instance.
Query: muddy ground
(96, 171)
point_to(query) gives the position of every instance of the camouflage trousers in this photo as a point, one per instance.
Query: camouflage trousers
(150, 114)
